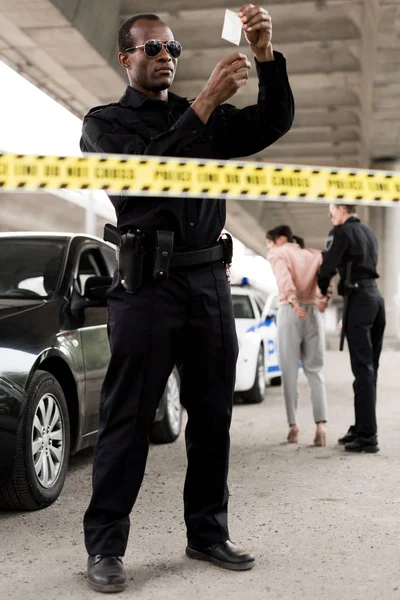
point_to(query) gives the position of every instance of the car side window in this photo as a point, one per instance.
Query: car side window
(110, 256)
(260, 303)
(91, 264)
(242, 307)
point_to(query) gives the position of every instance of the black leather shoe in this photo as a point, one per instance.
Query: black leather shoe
(363, 444)
(349, 437)
(225, 555)
(106, 573)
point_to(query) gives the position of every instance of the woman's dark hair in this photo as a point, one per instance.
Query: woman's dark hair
(284, 230)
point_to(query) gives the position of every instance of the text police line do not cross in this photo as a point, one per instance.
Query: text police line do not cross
(160, 176)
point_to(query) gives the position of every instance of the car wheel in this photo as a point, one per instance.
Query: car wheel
(168, 429)
(43, 448)
(276, 381)
(257, 393)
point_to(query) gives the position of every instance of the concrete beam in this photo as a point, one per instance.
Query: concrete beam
(323, 160)
(30, 212)
(321, 117)
(336, 89)
(310, 57)
(331, 135)
(241, 224)
(97, 20)
(131, 7)
(307, 25)
(283, 150)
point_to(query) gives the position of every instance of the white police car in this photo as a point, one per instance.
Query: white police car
(257, 364)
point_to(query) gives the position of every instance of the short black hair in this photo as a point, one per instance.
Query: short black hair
(125, 39)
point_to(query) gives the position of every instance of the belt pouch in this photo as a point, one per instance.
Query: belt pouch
(163, 254)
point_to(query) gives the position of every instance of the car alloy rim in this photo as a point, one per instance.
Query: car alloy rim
(261, 374)
(174, 404)
(48, 441)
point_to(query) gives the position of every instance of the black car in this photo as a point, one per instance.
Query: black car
(54, 352)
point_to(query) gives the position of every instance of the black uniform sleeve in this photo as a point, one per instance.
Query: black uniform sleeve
(107, 135)
(336, 246)
(253, 128)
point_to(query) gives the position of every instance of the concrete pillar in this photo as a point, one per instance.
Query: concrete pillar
(386, 224)
(391, 270)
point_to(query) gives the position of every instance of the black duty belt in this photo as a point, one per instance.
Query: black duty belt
(364, 283)
(197, 257)
(133, 250)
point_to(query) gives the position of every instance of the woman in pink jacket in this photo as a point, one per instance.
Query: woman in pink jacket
(300, 327)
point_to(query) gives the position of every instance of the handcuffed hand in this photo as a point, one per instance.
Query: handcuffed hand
(322, 304)
(300, 313)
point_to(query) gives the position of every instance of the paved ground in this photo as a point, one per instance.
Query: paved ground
(322, 524)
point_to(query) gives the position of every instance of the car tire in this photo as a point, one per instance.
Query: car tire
(276, 381)
(256, 394)
(168, 429)
(44, 441)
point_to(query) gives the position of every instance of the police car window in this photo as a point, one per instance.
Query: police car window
(91, 264)
(242, 308)
(110, 256)
(260, 303)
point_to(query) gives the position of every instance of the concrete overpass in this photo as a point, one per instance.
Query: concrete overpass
(343, 60)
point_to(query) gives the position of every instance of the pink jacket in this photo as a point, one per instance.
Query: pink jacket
(296, 271)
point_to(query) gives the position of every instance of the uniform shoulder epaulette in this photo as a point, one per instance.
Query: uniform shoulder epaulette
(97, 109)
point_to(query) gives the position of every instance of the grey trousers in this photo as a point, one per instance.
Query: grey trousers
(302, 341)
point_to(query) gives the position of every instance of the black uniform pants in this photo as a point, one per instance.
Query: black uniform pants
(365, 327)
(186, 320)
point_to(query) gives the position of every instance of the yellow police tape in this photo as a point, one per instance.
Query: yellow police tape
(154, 176)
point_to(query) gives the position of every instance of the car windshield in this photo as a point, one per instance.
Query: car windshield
(30, 268)
(242, 308)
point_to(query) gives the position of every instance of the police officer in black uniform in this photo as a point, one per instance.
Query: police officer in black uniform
(352, 249)
(184, 319)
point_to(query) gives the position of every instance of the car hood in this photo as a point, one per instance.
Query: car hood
(10, 306)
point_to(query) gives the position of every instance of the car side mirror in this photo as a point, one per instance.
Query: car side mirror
(95, 293)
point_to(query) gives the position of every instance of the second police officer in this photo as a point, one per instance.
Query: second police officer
(352, 249)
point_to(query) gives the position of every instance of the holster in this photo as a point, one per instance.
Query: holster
(227, 244)
(163, 255)
(130, 257)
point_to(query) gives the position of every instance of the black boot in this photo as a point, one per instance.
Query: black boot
(225, 555)
(106, 573)
(349, 437)
(363, 444)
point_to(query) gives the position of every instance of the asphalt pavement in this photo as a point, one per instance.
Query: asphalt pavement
(322, 524)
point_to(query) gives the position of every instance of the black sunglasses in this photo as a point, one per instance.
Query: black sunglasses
(153, 48)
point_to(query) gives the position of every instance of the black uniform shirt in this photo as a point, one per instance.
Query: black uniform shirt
(353, 242)
(139, 124)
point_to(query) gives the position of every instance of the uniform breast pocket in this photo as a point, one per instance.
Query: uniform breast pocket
(201, 148)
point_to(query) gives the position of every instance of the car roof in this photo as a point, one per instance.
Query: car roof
(47, 235)
(242, 290)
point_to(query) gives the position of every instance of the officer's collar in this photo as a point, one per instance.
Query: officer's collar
(134, 98)
(352, 220)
